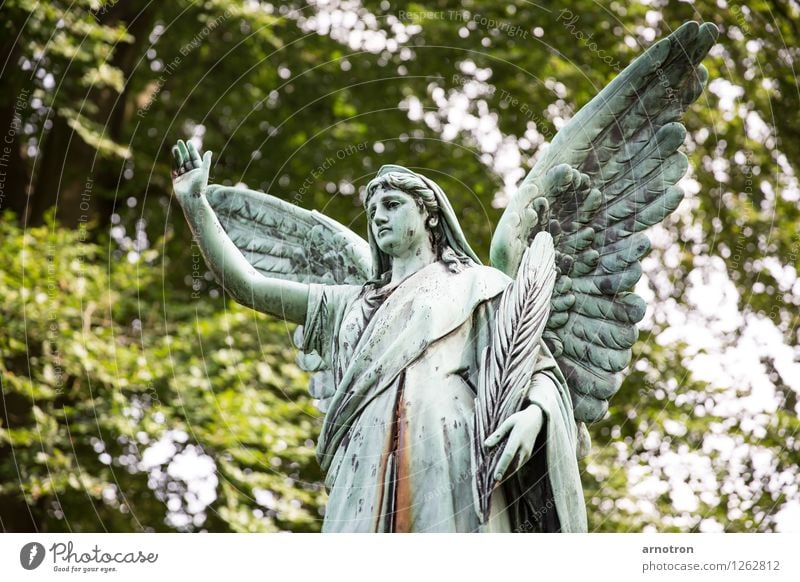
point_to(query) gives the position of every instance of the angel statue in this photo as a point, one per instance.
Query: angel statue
(456, 394)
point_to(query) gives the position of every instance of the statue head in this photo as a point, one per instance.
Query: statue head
(422, 215)
(403, 214)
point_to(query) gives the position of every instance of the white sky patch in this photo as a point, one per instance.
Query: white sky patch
(191, 467)
(265, 498)
(709, 525)
(349, 23)
(198, 471)
(785, 275)
(683, 497)
(756, 128)
(728, 94)
(158, 453)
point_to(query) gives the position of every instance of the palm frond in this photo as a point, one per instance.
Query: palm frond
(508, 364)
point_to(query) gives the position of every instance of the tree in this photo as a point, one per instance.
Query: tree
(306, 102)
(110, 425)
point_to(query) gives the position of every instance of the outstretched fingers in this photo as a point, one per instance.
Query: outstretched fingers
(186, 160)
(176, 154)
(194, 156)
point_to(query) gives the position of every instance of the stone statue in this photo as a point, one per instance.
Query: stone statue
(455, 394)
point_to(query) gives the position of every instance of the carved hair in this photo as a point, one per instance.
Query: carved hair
(425, 198)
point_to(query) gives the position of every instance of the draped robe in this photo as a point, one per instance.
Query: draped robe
(395, 443)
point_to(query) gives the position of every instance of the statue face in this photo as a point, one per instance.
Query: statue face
(397, 223)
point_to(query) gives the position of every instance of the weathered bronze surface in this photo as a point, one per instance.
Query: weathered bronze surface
(455, 394)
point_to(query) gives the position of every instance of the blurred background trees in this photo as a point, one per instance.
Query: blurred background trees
(136, 396)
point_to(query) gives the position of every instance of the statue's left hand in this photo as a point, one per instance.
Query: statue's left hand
(524, 426)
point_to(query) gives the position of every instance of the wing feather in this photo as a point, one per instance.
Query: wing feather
(608, 175)
(285, 241)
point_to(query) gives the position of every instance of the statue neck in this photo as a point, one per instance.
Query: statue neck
(403, 267)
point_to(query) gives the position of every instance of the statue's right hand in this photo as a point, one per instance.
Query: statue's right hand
(190, 177)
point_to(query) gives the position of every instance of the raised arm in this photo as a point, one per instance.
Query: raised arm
(285, 299)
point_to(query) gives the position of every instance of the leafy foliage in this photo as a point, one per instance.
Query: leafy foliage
(123, 366)
(148, 418)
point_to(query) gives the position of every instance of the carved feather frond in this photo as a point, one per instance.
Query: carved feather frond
(508, 364)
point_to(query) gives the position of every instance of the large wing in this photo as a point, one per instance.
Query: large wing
(288, 242)
(609, 174)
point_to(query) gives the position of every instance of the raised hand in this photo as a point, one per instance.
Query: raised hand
(190, 177)
(524, 426)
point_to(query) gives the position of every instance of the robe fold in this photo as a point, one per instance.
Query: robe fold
(395, 442)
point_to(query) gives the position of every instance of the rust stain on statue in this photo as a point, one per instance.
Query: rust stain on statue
(403, 501)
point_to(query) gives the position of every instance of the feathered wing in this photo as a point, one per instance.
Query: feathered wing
(284, 241)
(609, 174)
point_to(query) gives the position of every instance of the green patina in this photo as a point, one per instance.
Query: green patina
(445, 382)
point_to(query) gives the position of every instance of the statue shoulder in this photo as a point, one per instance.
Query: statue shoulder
(488, 280)
(488, 274)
